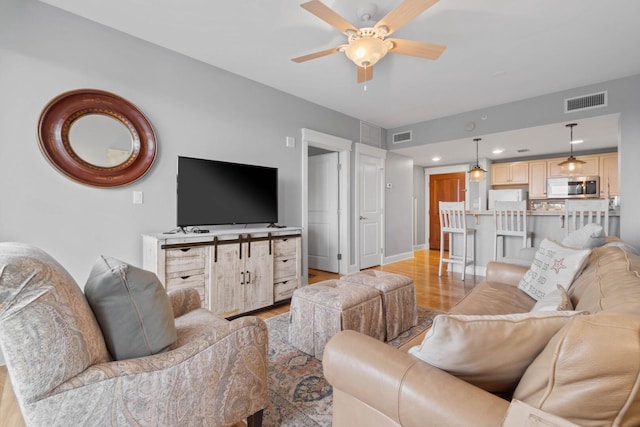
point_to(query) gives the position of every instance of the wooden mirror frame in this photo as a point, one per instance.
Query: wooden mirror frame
(53, 137)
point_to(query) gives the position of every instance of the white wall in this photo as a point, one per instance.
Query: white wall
(196, 110)
(398, 202)
(419, 208)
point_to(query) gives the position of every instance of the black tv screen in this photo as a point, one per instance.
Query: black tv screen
(212, 192)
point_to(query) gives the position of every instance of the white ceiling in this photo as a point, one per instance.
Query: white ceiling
(498, 51)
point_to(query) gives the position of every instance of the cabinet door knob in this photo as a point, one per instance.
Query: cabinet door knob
(242, 282)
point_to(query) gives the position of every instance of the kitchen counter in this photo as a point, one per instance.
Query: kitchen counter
(540, 212)
(542, 224)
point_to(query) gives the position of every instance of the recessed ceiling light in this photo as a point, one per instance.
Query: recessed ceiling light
(436, 158)
(577, 141)
(498, 151)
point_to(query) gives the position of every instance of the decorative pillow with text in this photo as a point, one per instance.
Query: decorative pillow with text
(553, 265)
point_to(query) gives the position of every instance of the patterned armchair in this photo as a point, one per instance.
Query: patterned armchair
(215, 374)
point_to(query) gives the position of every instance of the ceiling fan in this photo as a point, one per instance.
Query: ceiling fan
(366, 46)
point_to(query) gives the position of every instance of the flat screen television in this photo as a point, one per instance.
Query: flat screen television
(212, 192)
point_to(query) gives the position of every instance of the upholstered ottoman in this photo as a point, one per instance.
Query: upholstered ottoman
(320, 311)
(398, 298)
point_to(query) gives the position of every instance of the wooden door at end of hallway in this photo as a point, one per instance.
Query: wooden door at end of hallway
(446, 187)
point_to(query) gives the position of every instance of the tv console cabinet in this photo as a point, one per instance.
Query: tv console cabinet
(234, 270)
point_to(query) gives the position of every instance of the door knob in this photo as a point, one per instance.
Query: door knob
(363, 217)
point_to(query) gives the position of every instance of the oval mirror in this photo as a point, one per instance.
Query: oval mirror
(96, 138)
(100, 140)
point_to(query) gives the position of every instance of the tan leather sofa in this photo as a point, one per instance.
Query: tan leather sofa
(588, 373)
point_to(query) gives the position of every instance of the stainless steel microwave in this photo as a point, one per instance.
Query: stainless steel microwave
(573, 187)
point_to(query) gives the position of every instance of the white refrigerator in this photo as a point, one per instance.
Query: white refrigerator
(506, 196)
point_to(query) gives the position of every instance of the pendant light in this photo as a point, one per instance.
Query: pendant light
(571, 165)
(477, 174)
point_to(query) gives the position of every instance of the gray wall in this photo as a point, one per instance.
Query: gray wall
(196, 110)
(623, 98)
(419, 206)
(398, 207)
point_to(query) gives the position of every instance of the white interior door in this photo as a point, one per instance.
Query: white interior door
(371, 210)
(323, 212)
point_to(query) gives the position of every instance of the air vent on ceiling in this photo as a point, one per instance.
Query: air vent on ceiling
(586, 102)
(401, 137)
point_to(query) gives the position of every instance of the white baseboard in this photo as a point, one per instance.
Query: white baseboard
(399, 257)
(419, 247)
(353, 268)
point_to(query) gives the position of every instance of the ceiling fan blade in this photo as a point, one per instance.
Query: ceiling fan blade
(419, 49)
(405, 12)
(365, 74)
(316, 54)
(328, 15)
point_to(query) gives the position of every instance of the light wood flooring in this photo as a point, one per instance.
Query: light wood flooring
(438, 293)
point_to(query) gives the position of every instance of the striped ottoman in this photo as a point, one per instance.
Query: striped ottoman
(398, 298)
(320, 311)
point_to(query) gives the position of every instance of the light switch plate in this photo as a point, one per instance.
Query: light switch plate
(137, 198)
(291, 142)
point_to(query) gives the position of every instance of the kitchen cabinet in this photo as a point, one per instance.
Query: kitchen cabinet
(510, 173)
(609, 175)
(591, 167)
(538, 179)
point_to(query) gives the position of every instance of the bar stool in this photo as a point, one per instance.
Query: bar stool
(454, 221)
(510, 219)
(578, 213)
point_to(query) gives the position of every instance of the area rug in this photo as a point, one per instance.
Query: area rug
(298, 392)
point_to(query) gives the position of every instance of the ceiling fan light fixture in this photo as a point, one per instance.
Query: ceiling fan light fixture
(571, 165)
(476, 173)
(365, 51)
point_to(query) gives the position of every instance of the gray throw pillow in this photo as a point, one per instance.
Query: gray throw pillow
(132, 308)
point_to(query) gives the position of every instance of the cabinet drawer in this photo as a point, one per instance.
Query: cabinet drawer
(188, 281)
(285, 247)
(186, 253)
(178, 260)
(195, 281)
(285, 267)
(283, 290)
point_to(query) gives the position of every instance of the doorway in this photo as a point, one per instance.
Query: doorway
(324, 209)
(369, 218)
(342, 147)
(446, 187)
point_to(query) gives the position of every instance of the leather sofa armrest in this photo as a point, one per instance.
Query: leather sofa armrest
(406, 390)
(184, 300)
(502, 272)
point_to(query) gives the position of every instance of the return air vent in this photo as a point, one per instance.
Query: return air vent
(586, 102)
(401, 137)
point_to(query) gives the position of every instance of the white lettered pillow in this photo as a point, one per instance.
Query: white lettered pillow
(553, 265)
